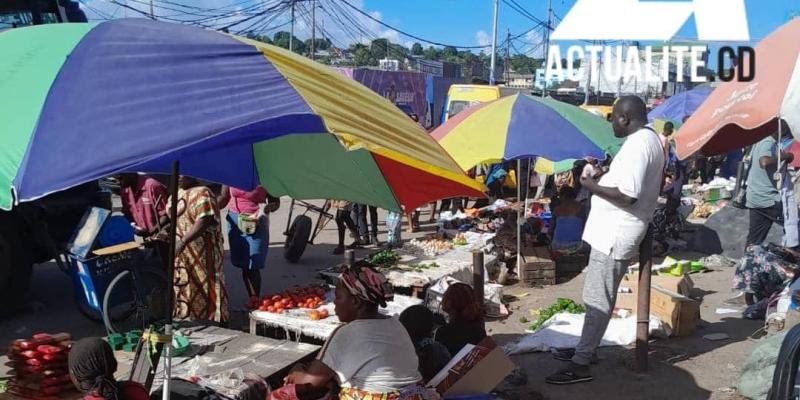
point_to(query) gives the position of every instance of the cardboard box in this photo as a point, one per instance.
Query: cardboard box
(476, 369)
(678, 312)
(682, 285)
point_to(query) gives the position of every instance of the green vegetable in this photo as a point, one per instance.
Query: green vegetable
(420, 267)
(384, 258)
(560, 305)
(3, 385)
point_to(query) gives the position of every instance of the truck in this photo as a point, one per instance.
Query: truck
(35, 232)
(461, 97)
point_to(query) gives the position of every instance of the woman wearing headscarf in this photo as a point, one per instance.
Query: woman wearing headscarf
(369, 357)
(92, 366)
(465, 318)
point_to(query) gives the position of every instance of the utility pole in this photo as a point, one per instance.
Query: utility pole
(547, 44)
(291, 34)
(507, 69)
(588, 79)
(152, 14)
(494, 43)
(313, 28)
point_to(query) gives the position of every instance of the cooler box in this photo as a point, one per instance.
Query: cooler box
(102, 246)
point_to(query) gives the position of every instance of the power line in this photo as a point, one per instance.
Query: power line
(409, 34)
(522, 11)
(283, 3)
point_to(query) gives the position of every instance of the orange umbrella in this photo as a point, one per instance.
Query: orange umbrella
(738, 114)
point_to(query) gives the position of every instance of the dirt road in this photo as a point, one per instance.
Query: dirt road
(689, 368)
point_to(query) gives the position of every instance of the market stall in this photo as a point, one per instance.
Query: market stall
(221, 359)
(317, 320)
(421, 262)
(226, 361)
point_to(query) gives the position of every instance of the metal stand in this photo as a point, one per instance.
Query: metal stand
(643, 302)
(173, 232)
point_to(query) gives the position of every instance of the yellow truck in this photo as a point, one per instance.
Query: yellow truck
(461, 97)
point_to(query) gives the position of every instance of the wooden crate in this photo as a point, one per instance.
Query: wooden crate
(538, 268)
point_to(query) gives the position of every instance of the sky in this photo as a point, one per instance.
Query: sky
(454, 22)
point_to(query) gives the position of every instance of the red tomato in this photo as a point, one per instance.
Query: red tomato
(263, 308)
(276, 298)
(271, 309)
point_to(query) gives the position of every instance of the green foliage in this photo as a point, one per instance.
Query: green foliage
(523, 64)
(561, 305)
(281, 39)
(379, 48)
(363, 56)
(319, 44)
(416, 49)
(385, 258)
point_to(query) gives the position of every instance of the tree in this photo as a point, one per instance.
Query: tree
(379, 48)
(260, 38)
(362, 56)
(431, 53)
(449, 52)
(416, 49)
(320, 44)
(281, 39)
(523, 64)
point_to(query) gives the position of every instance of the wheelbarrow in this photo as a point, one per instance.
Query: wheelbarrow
(302, 230)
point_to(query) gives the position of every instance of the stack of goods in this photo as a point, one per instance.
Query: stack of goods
(39, 366)
(428, 248)
(311, 297)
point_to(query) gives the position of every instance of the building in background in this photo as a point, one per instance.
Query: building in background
(520, 81)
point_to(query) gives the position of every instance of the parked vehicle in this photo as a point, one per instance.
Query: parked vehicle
(461, 97)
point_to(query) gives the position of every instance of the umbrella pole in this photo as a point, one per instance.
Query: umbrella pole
(173, 233)
(520, 213)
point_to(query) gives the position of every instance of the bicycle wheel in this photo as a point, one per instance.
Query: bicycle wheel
(124, 309)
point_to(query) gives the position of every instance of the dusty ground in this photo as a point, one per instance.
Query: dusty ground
(690, 368)
(686, 368)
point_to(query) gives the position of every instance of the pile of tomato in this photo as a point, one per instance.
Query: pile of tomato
(304, 297)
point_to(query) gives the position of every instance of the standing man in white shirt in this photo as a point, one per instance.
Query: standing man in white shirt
(623, 204)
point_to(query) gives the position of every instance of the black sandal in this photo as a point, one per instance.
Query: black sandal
(570, 375)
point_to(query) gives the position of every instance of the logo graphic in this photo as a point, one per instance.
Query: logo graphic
(716, 20)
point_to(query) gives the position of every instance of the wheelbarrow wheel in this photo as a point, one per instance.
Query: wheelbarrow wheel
(297, 238)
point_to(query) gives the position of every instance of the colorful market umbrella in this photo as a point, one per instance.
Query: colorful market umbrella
(679, 106)
(523, 126)
(83, 101)
(737, 114)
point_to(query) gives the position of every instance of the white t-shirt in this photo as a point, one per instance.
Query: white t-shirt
(374, 355)
(636, 171)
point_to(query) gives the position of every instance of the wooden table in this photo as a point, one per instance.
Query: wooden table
(296, 323)
(221, 350)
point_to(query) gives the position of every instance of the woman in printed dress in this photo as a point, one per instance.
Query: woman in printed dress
(200, 292)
